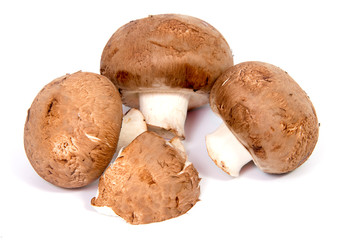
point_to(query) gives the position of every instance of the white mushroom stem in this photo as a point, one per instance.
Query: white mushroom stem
(165, 112)
(226, 151)
(133, 125)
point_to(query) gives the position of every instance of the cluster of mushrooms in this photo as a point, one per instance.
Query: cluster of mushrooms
(162, 66)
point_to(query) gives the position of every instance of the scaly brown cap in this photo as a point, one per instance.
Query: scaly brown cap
(72, 129)
(168, 52)
(269, 114)
(150, 181)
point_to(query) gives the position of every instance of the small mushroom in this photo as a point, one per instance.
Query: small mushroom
(165, 65)
(268, 119)
(72, 129)
(150, 181)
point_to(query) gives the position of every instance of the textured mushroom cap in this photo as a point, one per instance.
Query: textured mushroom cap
(150, 181)
(269, 114)
(72, 129)
(167, 52)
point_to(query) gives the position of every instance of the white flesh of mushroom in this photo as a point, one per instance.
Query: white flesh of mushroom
(133, 125)
(177, 143)
(226, 151)
(165, 112)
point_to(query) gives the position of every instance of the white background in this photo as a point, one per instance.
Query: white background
(316, 42)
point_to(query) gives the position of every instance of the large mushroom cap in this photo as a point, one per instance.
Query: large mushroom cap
(150, 181)
(269, 114)
(72, 129)
(168, 52)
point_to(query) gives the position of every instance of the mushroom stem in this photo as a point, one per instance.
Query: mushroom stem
(133, 125)
(165, 113)
(226, 151)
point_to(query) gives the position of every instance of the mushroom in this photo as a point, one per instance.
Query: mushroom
(150, 181)
(72, 129)
(165, 65)
(267, 118)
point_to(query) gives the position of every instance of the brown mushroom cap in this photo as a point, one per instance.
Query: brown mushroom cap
(167, 52)
(150, 181)
(72, 129)
(269, 114)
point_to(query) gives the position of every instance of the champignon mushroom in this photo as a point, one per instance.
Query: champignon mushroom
(268, 119)
(150, 181)
(72, 129)
(165, 65)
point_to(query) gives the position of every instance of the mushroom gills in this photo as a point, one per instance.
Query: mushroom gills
(165, 113)
(226, 151)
